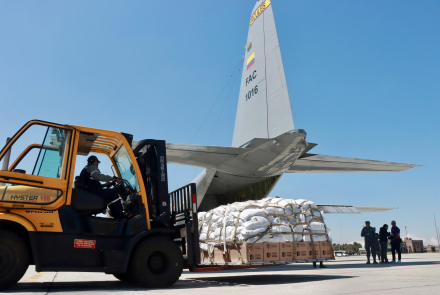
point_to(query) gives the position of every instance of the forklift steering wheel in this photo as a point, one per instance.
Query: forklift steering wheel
(116, 184)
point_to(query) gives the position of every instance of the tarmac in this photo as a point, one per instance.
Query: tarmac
(417, 274)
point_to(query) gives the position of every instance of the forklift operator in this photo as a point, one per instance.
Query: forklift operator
(92, 177)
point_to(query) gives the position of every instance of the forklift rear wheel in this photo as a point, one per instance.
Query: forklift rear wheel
(123, 277)
(14, 259)
(156, 263)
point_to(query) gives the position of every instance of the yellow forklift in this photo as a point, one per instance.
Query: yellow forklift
(49, 220)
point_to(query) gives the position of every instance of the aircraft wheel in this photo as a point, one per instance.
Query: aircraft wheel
(14, 259)
(156, 263)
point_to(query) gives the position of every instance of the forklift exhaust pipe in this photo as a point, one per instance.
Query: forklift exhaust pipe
(6, 159)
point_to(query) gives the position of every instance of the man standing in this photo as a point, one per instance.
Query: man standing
(395, 242)
(383, 238)
(321, 264)
(369, 234)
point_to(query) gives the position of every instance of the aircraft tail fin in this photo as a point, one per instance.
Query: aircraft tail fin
(264, 109)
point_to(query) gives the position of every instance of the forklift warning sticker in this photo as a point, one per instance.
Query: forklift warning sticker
(88, 244)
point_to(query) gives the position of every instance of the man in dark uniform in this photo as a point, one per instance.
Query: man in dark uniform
(369, 234)
(384, 234)
(378, 248)
(395, 242)
(92, 177)
(321, 264)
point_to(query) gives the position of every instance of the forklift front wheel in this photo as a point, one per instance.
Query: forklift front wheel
(156, 263)
(14, 259)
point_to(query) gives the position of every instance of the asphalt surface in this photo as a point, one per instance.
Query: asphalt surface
(418, 274)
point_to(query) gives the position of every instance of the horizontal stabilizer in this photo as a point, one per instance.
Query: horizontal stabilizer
(373, 209)
(311, 163)
(344, 209)
(201, 155)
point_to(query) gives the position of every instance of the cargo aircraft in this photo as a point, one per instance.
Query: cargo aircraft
(265, 144)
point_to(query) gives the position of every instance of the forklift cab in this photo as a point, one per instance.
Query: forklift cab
(46, 221)
(41, 176)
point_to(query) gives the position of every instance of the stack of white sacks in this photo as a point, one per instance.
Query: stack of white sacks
(270, 220)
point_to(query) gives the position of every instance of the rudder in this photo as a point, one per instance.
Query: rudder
(264, 109)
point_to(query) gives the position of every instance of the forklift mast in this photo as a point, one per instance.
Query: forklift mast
(152, 159)
(176, 210)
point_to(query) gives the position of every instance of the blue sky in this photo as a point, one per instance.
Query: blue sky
(363, 80)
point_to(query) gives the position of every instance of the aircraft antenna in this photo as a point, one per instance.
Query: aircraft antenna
(436, 231)
(340, 227)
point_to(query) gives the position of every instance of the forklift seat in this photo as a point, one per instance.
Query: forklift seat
(87, 203)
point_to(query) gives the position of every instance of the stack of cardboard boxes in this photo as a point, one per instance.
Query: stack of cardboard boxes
(268, 252)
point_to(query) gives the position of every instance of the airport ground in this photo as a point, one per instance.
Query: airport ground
(418, 274)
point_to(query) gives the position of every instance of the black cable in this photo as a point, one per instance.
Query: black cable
(224, 104)
(216, 99)
(172, 172)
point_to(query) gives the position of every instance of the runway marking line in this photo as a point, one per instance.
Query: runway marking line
(35, 277)
(376, 270)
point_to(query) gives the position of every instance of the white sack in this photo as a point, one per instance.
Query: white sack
(267, 220)
(256, 222)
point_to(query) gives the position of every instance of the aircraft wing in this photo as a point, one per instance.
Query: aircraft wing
(201, 155)
(311, 163)
(351, 209)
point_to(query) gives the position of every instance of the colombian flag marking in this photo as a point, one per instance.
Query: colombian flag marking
(250, 61)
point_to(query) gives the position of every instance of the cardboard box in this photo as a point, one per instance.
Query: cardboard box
(260, 252)
(248, 252)
(217, 255)
(286, 251)
(271, 251)
(204, 257)
(301, 251)
(310, 249)
(325, 250)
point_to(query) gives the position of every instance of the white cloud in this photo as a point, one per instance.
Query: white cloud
(433, 242)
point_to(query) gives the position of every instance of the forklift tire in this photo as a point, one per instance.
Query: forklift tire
(14, 259)
(156, 263)
(123, 277)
